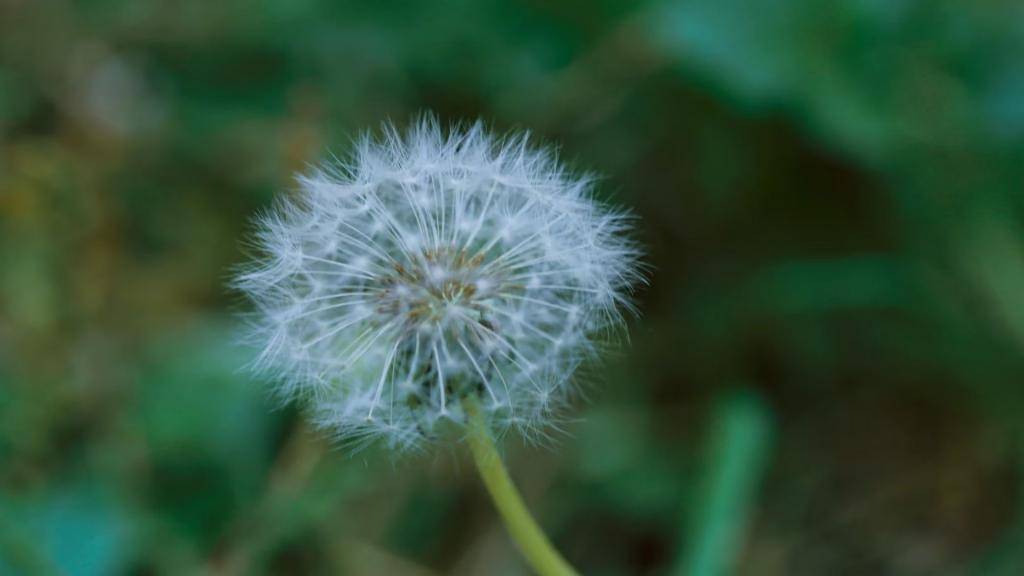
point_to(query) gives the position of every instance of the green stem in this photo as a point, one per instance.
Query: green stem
(528, 536)
(739, 446)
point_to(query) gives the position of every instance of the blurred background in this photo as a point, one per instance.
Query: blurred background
(826, 377)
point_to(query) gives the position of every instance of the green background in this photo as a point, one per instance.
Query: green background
(826, 377)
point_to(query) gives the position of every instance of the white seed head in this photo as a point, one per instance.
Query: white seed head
(430, 267)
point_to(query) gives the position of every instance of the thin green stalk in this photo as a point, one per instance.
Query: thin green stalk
(525, 531)
(737, 457)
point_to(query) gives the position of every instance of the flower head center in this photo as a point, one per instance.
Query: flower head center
(439, 286)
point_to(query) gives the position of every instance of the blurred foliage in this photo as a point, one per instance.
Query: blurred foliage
(830, 194)
(720, 507)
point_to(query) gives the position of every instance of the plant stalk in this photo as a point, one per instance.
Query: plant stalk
(527, 534)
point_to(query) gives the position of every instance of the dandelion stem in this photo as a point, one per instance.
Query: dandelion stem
(525, 531)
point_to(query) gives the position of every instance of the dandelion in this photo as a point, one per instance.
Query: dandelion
(437, 277)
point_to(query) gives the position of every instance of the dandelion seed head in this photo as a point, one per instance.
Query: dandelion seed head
(431, 266)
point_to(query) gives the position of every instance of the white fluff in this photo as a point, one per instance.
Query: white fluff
(429, 267)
